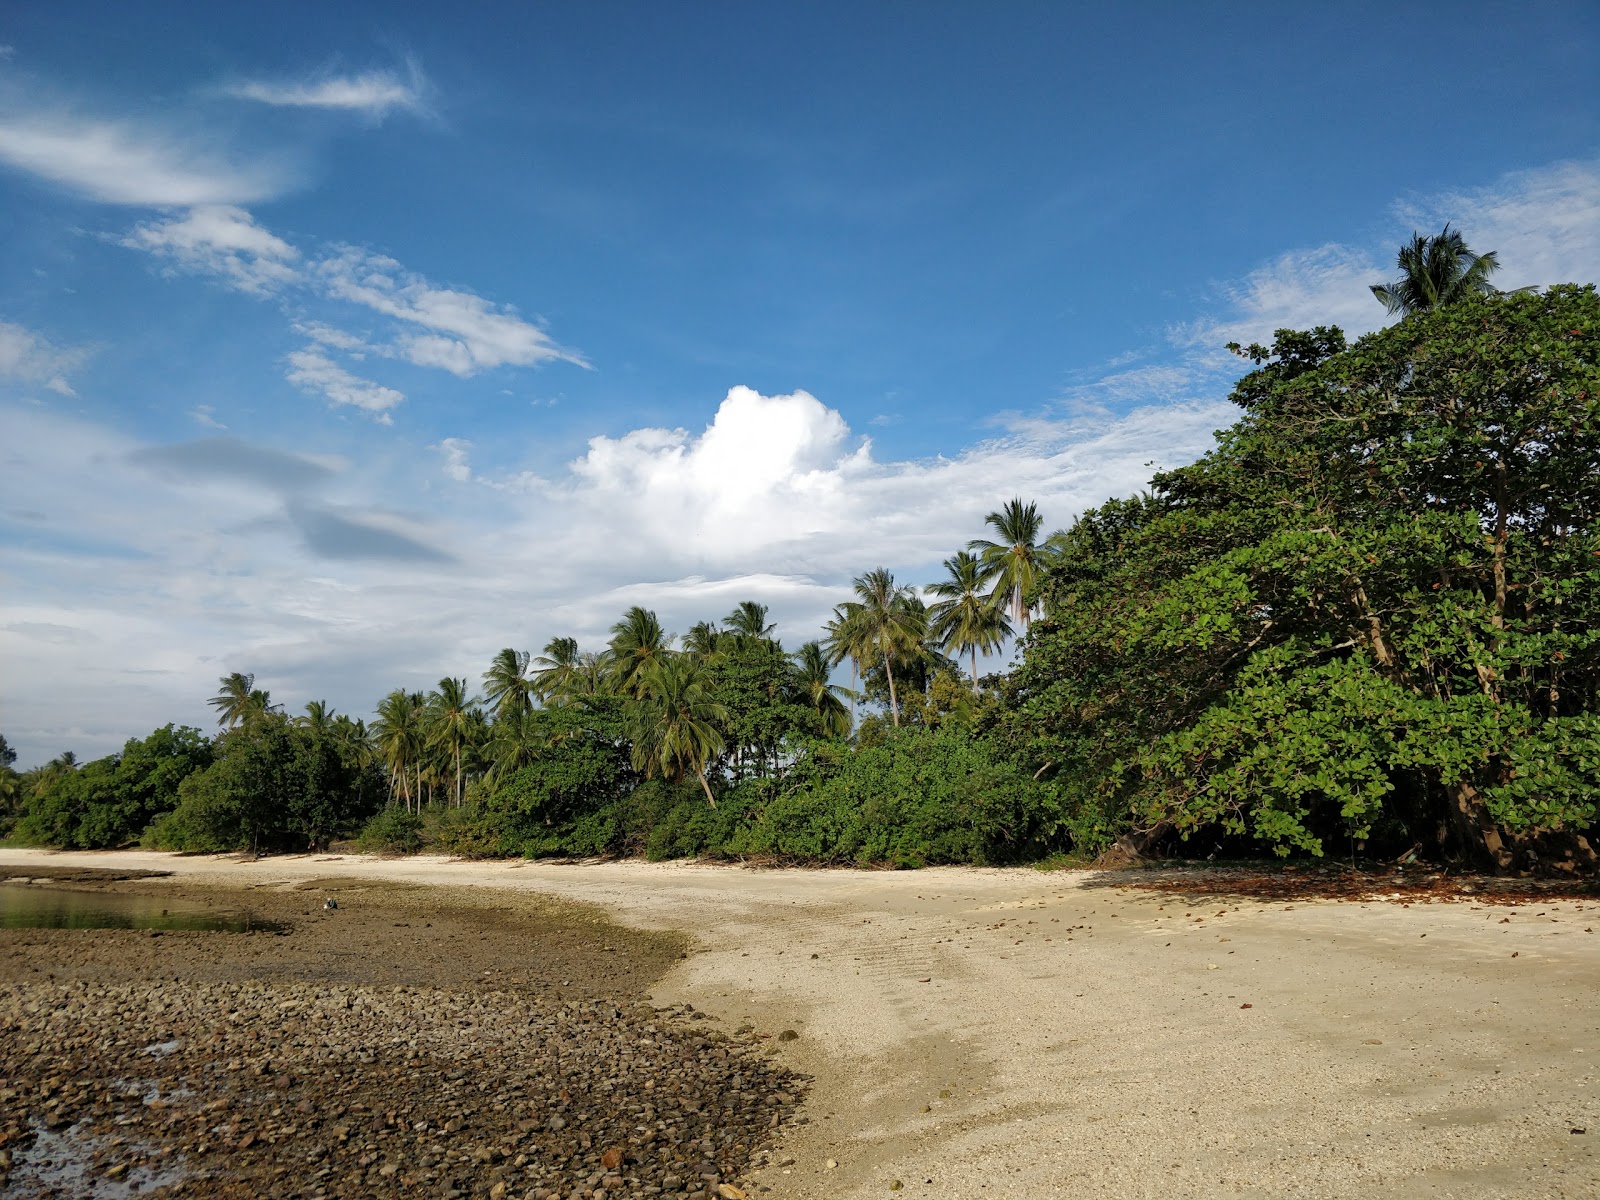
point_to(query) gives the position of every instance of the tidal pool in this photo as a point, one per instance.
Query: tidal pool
(30, 906)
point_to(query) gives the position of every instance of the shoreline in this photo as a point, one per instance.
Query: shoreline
(974, 1032)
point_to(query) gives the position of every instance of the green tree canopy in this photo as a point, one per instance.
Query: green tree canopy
(1372, 611)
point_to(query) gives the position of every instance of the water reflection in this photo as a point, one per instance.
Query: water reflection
(29, 906)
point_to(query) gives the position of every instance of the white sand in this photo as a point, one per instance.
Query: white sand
(1071, 1037)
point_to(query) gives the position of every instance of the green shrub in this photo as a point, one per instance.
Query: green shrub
(392, 831)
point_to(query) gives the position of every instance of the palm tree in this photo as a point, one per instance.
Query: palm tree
(318, 718)
(556, 668)
(450, 723)
(398, 732)
(749, 620)
(885, 626)
(841, 640)
(637, 643)
(237, 699)
(964, 619)
(1012, 563)
(703, 641)
(821, 696)
(514, 743)
(506, 685)
(1436, 271)
(676, 726)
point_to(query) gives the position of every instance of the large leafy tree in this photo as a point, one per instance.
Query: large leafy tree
(1436, 270)
(964, 619)
(674, 723)
(1011, 562)
(1373, 611)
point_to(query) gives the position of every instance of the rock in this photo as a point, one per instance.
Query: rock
(831, 1164)
(727, 1191)
(788, 1035)
(612, 1158)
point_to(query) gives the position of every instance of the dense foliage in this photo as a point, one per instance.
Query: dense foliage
(1369, 619)
(1372, 612)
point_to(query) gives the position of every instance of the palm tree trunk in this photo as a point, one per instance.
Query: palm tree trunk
(853, 672)
(458, 774)
(974, 649)
(894, 705)
(710, 799)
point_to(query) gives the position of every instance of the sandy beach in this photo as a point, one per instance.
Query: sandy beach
(975, 1033)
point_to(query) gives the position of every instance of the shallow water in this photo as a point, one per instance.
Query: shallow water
(30, 906)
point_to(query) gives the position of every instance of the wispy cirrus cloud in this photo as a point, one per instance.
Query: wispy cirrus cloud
(315, 373)
(144, 164)
(224, 241)
(373, 93)
(30, 357)
(1544, 226)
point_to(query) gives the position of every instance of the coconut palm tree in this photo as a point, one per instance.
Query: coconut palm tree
(964, 619)
(556, 668)
(885, 627)
(239, 699)
(318, 717)
(506, 685)
(812, 671)
(514, 742)
(841, 640)
(450, 724)
(637, 643)
(1436, 271)
(749, 620)
(674, 723)
(703, 641)
(399, 735)
(1011, 564)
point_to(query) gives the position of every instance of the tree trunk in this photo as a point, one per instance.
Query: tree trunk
(710, 799)
(1475, 831)
(974, 668)
(894, 705)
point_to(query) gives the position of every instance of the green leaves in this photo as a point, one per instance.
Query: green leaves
(1375, 602)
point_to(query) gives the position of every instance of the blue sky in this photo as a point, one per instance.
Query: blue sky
(347, 344)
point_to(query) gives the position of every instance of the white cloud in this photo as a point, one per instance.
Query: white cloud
(206, 414)
(1544, 226)
(29, 357)
(224, 241)
(228, 557)
(118, 162)
(467, 333)
(313, 372)
(456, 464)
(336, 339)
(374, 93)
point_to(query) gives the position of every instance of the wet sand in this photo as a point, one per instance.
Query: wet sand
(975, 1033)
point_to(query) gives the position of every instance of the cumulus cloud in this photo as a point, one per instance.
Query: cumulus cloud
(118, 162)
(314, 373)
(29, 357)
(371, 93)
(224, 241)
(226, 555)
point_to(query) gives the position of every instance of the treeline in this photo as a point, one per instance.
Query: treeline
(1367, 623)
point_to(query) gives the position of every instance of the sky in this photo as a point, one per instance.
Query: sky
(347, 344)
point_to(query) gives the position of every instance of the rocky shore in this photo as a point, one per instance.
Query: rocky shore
(216, 1065)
